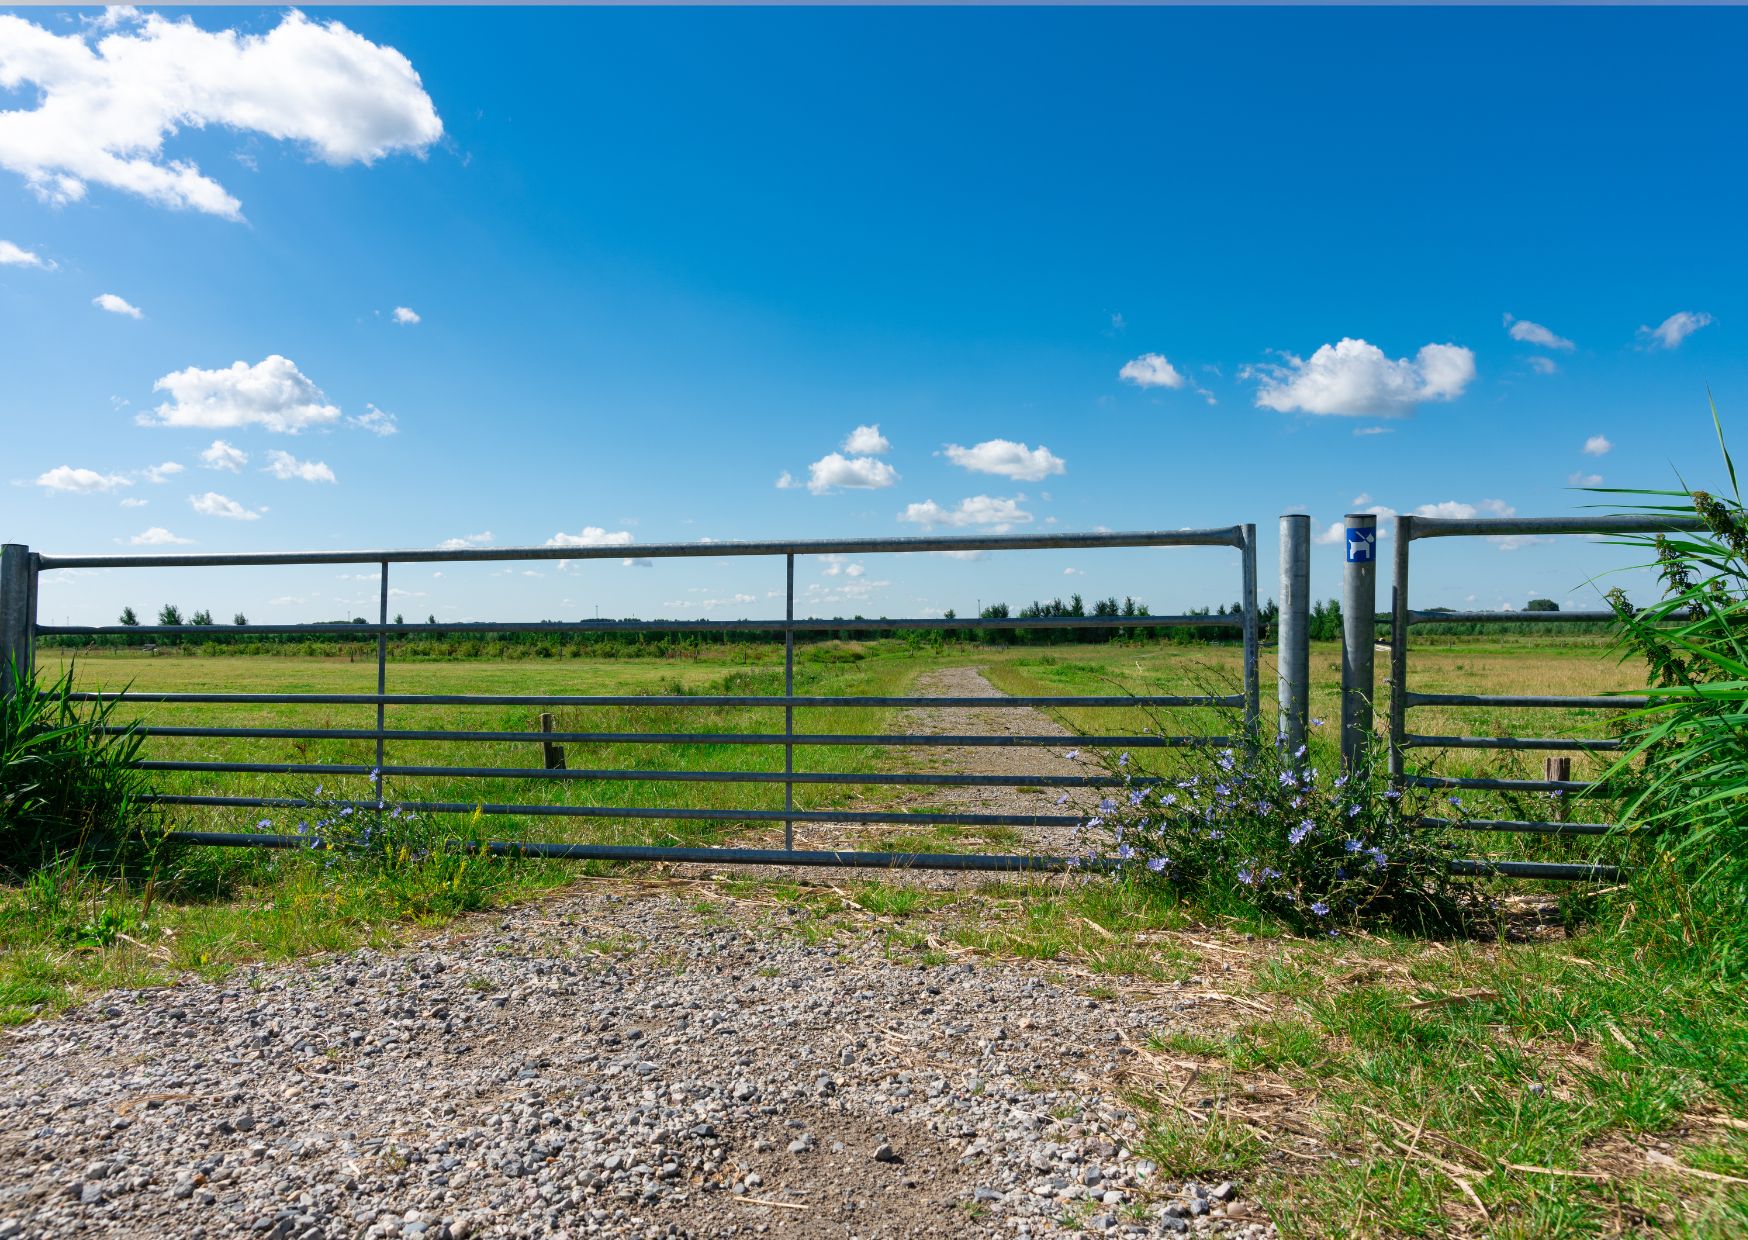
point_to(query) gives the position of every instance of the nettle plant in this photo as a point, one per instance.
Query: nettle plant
(1257, 826)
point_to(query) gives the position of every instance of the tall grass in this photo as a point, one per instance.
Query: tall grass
(1689, 806)
(68, 786)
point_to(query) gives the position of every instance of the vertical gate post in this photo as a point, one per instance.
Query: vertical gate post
(1359, 610)
(17, 616)
(1399, 648)
(1293, 649)
(1252, 689)
(789, 692)
(381, 679)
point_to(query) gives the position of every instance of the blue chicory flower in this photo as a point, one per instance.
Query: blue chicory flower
(1320, 908)
(1158, 864)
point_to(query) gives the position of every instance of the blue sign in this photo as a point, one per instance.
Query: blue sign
(1361, 544)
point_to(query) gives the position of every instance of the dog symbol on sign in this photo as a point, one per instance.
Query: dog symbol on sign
(1360, 544)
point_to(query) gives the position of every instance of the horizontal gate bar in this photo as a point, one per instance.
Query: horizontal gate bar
(995, 863)
(1456, 527)
(1557, 870)
(1410, 740)
(1510, 617)
(1575, 787)
(998, 863)
(809, 625)
(1227, 536)
(720, 777)
(678, 814)
(666, 699)
(1522, 700)
(674, 738)
(1520, 826)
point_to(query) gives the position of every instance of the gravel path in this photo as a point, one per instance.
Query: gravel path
(630, 1059)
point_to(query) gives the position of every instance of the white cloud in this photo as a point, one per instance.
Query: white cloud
(1337, 531)
(374, 420)
(1673, 330)
(1072, 572)
(116, 305)
(1535, 333)
(1371, 430)
(1151, 370)
(1459, 511)
(999, 514)
(595, 536)
(834, 471)
(17, 256)
(273, 393)
(1353, 378)
(1008, 459)
(1582, 479)
(867, 441)
(406, 315)
(1542, 365)
(973, 555)
(483, 539)
(212, 504)
(285, 467)
(223, 456)
(107, 101)
(162, 473)
(157, 536)
(1597, 445)
(80, 481)
(840, 565)
(131, 502)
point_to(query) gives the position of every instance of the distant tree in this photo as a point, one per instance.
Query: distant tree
(1541, 604)
(169, 613)
(240, 620)
(995, 611)
(129, 618)
(398, 619)
(201, 617)
(431, 619)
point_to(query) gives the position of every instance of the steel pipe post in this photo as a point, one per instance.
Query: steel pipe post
(17, 616)
(1359, 609)
(1252, 639)
(789, 710)
(381, 678)
(1293, 645)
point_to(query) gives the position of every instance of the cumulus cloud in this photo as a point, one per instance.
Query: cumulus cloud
(1582, 479)
(596, 536)
(108, 99)
(1597, 445)
(17, 256)
(406, 315)
(1542, 365)
(162, 473)
(285, 467)
(483, 539)
(1458, 511)
(157, 536)
(834, 471)
(212, 504)
(1008, 459)
(116, 305)
(132, 502)
(867, 441)
(374, 420)
(1151, 370)
(66, 479)
(840, 565)
(999, 514)
(1673, 330)
(1536, 334)
(1336, 533)
(223, 456)
(1353, 378)
(272, 393)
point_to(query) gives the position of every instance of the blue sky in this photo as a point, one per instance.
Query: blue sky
(659, 259)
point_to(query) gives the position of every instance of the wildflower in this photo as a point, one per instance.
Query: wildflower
(1123, 759)
(1299, 752)
(1341, 781)
(1263, 807)
(1457, 801)
(1168, 800)
(264, 824)
(1158, 864)
(1222, 791)
(1379, 858)
(1557, 793)
(1297, 835)
(1136, 797)
(1125, 853)
(1391, 794)
(1354, 846)
(1289, 780)
(1063, 799)
(1270, 872)
(346, 812)
(1317, 723)
(303, 828)
(1320, 908)
(1107, 805)
(1353, 811)
(318, 791)
(1072, 754)
(1245, 877)
(1216, 835)
(1225, 760)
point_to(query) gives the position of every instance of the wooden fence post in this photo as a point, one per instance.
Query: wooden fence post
(553, 754)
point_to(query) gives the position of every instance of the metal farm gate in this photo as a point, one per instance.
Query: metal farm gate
(20, 569)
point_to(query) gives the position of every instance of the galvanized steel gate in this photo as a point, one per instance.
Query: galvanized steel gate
(20, 569)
